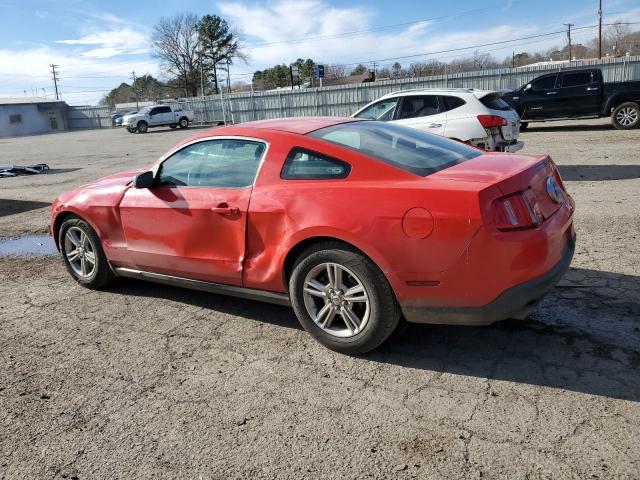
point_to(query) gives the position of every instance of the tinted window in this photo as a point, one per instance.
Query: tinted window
(213, 163)
(305, 165)
(164, 110)
(382, 110)
(546, 83)
(576, 79)
(418, 106)
(451, 102)
(406, 148)
(494, 102)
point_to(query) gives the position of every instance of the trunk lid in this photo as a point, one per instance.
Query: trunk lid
(511, 174)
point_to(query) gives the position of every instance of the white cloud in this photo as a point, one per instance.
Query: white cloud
(111, 43)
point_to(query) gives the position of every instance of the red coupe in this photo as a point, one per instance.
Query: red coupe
(354, 223)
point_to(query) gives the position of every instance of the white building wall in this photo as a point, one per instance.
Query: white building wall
(33, 121)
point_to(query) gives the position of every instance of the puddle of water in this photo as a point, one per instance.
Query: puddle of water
(28, 246)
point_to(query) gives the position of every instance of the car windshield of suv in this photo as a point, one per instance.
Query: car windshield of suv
(145, 110)
(411, 150)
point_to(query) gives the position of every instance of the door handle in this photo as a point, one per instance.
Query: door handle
(225, 209)
(551, 93)
(435, 125)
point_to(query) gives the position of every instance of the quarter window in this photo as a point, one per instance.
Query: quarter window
(422, 106)
(382, 110)
(451, 103)
(306, 165)
(225, 163)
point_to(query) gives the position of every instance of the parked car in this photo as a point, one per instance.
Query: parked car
(477, 117)
(354, 223)
(119, 117)
(577, 94)
(157, 116)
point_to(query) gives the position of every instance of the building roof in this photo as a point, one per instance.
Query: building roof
(26, 100)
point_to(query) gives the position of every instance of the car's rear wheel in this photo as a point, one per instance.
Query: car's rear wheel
(343, 299)
(626, 116)
(184, 122)
(132, 129)
(142, 127)
(83, 255)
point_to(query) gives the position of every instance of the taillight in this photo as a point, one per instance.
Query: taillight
(517, 211)
(490, 121)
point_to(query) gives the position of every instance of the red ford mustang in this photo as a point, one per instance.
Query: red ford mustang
(354, 223)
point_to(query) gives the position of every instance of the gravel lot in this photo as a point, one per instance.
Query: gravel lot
(147, 381)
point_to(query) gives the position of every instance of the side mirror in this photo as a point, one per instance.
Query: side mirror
(144, 180)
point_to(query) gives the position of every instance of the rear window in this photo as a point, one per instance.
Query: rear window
(494, 102)
(411, 150)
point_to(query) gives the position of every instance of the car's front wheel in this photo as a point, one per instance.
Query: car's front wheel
(83, 255)
(343, 299)
(626, 116)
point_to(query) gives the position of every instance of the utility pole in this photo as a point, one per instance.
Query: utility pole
(55, 79)
(513, 59)
(133, 85)
(569, 25)
(600, 29)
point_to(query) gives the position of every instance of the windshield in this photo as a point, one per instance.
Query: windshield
(145, 110)
(412, 150)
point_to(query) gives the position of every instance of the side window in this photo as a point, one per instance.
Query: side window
(306, 165)
(382, 110)
(577, 79)
(421, 106)
(546, 83)
(451, 103)
(224, 163)
(153, 111)
(162, 110)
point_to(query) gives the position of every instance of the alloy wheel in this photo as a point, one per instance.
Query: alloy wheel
(627, 116)
(336, 300)
(80, 252)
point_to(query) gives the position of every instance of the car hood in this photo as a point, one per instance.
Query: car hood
(116, 180)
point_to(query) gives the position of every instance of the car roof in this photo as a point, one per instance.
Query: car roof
(437, 91)
(300, 125)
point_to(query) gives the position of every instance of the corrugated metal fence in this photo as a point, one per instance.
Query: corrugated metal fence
(345, 99)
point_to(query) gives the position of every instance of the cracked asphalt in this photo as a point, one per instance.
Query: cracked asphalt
(149, 381)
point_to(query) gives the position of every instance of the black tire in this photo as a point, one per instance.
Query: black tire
(626, 116)
(132, 129)
(384, 311)
(183, 122)
(173, 125)
(524, 125)
(101, 274)
(142, 127)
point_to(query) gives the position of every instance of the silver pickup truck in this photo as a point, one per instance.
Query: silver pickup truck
(157, 116)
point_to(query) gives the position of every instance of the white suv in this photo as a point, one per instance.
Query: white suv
(477, 117)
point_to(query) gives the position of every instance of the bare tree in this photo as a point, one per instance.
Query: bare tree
(615, 37)
(175, 42)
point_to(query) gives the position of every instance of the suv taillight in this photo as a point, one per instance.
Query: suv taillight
(517, 211)
(490, 121)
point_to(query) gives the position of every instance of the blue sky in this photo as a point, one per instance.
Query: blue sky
(97, 44)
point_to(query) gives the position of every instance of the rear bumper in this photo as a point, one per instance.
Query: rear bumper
(512, 303)
(510, 147)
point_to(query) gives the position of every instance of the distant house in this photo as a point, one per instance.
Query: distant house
(363, 78)
(31, 115)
